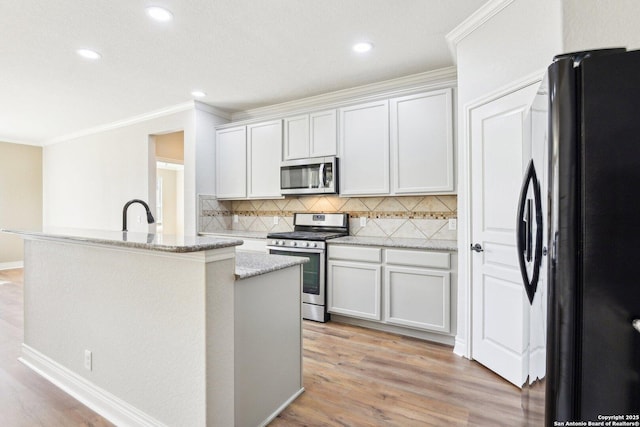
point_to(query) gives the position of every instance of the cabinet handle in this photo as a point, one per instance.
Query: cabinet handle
(636, 324)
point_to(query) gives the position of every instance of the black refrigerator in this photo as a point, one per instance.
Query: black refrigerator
(583, 221)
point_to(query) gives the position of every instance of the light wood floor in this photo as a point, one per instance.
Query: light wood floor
(352, 377)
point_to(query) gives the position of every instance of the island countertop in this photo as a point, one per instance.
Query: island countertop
(249, 264)
(150, 241)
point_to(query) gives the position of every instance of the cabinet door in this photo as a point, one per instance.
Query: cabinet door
(417, 297)
(323, 136)
(264, 145)
(422, 143)
(296, 137)
(231, 163)
(353, 289)
(364, 149)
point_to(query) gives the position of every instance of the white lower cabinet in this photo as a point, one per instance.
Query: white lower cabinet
(354, 289)
(401, 287)
(417, 297)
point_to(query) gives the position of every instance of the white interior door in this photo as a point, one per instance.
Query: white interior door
(500, 319)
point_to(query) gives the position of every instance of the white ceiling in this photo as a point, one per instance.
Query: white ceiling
(242, 53)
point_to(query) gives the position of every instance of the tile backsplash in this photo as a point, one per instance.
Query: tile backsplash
(400, 216)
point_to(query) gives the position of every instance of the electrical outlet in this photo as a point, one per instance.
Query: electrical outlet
(276, 220)
(235, 219)
(87, 360)
(453, 223)
(363, 221)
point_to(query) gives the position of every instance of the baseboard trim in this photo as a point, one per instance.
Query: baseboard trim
(447, 340)
(281, 408)
(461, 349)
(104, 403)
(11, 265)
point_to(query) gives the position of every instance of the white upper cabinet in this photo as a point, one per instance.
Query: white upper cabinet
(364, 149)
(231, 163)
(296, 137)
(264, 151)
(323, 136)
(401, 145)
(310, 135)
(422, 143)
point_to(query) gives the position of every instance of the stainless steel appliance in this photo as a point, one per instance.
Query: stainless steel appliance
(308, 239)
(591, 309)
(318, 175)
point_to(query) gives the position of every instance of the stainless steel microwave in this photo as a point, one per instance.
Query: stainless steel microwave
(318, 175)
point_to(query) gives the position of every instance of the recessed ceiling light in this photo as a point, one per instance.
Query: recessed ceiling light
(159, 14)
(198, 93)
(88, 53)
(363, 47)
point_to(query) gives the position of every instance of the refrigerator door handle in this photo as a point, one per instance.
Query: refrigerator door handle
(524, 235)
(529, 237)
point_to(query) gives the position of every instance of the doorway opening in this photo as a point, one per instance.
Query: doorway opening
(169, 162)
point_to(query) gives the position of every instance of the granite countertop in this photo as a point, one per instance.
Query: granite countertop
(236, 233)
(249, 264)
(151, 241)
(389, 242)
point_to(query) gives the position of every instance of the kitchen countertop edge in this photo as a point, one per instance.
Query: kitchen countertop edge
(236, 233)
(250, 264)
(138, 240)
(401, 243)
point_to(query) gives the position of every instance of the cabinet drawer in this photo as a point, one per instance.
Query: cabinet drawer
(418, 258)
(355, 253)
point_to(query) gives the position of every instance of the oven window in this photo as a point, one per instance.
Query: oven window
(310, 270)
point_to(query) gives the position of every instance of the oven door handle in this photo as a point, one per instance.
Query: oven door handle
(296, 250)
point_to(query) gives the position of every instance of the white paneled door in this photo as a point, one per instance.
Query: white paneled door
(500, 319)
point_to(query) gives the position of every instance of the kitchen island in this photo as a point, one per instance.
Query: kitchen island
(151, 329)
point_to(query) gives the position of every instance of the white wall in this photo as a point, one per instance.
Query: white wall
(88, 180)
(594, 24)
(199, 163)
(513, 45)
(20, 197)
(518, 41)
(169, 202)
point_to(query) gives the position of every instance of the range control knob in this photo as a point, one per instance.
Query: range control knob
(294, 243)
(306, 244)
(274, 242)
(315, 245)
(281, 242)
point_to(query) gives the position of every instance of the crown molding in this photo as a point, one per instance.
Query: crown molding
(473, 22)
(201, 106)
(185, 106)
(429, 80)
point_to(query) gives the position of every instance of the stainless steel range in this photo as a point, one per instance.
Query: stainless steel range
(308, 239)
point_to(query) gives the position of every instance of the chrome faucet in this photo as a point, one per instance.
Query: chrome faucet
(150, 219)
